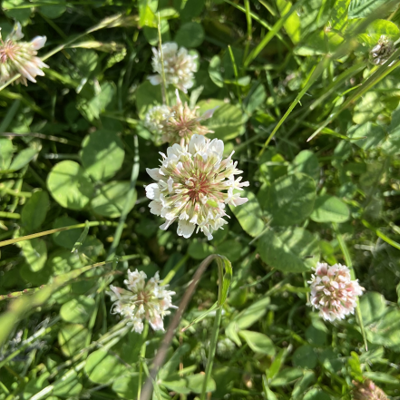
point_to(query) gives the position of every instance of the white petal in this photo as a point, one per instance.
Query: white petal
(154, 79)
(208, 114)
(197, 143)
(154, 173)
(38, 42)
(185, 229)
(152, 191)
(155, 207)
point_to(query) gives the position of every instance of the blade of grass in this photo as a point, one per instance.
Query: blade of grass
(262, 22)
(271, 34)
(55, 230)
(381, 235)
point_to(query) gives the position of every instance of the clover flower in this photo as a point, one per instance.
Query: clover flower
(177, 123)
(142, 300)
(382, 51)
(184, 122)
(368, 391)
(194, 183)
(154, 119)
(333, 292)
(179, 66)
(20, 57)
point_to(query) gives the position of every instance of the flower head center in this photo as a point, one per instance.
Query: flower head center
(198, 186)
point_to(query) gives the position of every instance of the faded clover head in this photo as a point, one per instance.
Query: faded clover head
(20, 57)
(179, 66)
(382, 51)
(193, 186)
(333, 292)
(142, 300)
(176, 123)
(368, 391)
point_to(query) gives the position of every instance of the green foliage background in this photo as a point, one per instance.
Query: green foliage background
(316, 129)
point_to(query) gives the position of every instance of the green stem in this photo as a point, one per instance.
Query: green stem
(174, 270)
(5, 214)
(235, 71)
(129, 197)
(349, 264)
(142, 355)
(55, 230)
(164, 81)
(214, 334)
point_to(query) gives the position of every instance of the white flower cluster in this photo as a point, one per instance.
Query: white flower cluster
(20, 57)
(193, 185)
(179, 66)
(333, 292)
(154, 121)
(142, 300)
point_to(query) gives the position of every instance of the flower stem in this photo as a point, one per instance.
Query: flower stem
(214, 334)
(164, 81)
(349, 264)
(142, 355)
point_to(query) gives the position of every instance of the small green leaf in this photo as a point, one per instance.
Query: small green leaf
(35, 209)
(35, 253)
(330, 209)
(102, 154)
(249, 214)
(147, 96)
(306, 162)
(190, 35)
(111, 199)
(102, 367)
(290, 199)
(23, 158)
(72, 338)
(78, 310)
(305, 357)
(258, 342)
(69, 185)
(6, 152)
(291, 250)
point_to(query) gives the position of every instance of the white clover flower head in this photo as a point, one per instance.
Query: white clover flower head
(20, 57)
(193, 185)
(333, 292)
(380, 53)
(179, 66)
(142, 300)
(154, 119)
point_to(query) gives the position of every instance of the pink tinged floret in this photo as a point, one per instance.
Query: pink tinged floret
(333, 292)
(38, 42)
